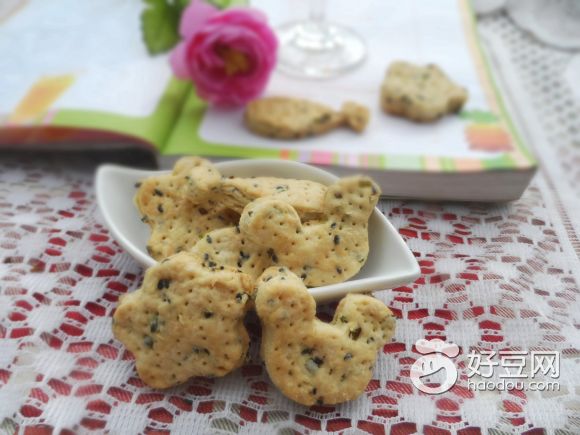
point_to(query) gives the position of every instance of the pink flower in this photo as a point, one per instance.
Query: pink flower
(229, 55)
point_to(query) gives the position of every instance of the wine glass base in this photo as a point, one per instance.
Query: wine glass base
(318, 50)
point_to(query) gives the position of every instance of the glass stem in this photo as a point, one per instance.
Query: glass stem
(317, 9)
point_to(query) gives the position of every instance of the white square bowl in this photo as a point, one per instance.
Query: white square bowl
(390, 262)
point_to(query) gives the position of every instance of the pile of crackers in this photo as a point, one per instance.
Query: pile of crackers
(226, 245)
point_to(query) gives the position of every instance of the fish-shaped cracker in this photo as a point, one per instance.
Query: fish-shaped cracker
(292, 118)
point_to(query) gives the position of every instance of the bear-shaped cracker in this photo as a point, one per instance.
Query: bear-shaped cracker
(325, 251)
(310, 361)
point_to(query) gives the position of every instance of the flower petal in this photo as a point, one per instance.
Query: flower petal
(193, 17)
(178, 61)
(242, 30)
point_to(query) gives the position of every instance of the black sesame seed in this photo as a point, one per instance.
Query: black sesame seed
(348, 356)
(303, 276)
(206, 256)
(240, 297)
(307, 351)
(160, 208)
(338, 270)
(336, 239)
(272, 255)
(343, 319)
(163, 283)
(202, 211)
(317, 360)
(333, 225)
(144, 219)
(354, 334)
(314, 391)
(207, 314)
(250, 213)
(157, 192)
(198, 350)
(211, 264)
(281, 269)
(154, 325)
(148, 341)
(208, 239)
(322, 119)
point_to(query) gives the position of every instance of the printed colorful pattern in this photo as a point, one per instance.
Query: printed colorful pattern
(39, 98)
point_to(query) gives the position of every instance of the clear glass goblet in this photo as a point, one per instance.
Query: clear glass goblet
(315, 48)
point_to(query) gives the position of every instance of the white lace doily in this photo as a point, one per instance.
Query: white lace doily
(554, 22)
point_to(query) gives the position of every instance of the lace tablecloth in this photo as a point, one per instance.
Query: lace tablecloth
(493, 277)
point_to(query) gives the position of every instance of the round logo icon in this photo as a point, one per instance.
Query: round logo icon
(437, 356)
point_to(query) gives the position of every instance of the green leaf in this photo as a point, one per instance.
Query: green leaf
(220, 4)
(160, 24)
(183, 3)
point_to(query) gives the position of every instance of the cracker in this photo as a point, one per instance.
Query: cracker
(293, 118)
(179, 208)
(184, 321)
(326, 251)
(194, 199)
(422, 94)
(356, 116)
(310, 361)
(307, 197)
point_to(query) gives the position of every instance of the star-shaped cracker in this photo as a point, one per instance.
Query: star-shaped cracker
(184, 321)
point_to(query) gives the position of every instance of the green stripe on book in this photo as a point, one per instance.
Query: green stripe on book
(403, 162)
(505, 161)
(515, 134)
(447, 164)
(382, 161)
